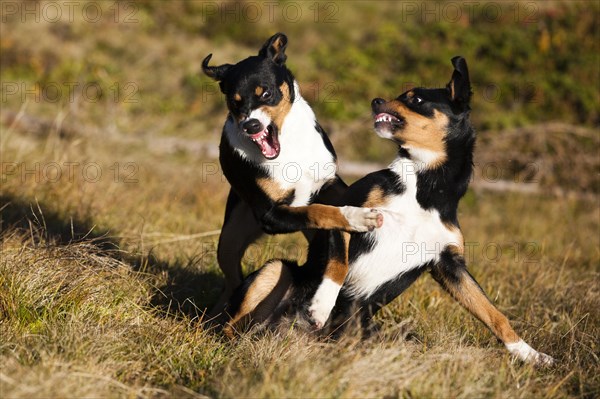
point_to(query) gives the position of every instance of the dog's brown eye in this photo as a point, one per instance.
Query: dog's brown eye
(266, 95)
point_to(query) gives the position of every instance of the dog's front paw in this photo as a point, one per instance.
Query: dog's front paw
(322, 303)
(527, 354)
(544, 360)
(362, 219)
(318, 313)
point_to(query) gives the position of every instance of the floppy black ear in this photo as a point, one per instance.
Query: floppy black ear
(460, 85)
(274, 49)
(215, 72)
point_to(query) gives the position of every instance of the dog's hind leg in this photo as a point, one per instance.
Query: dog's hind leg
(259, 296)
(451, 273)
(334, 275)
(240, 229)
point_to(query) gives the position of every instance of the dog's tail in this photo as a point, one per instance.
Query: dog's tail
(260, 294)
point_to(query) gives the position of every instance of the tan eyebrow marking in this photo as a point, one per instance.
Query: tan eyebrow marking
(278, 112)
(237, 97)
(277, 45)
(259, 90)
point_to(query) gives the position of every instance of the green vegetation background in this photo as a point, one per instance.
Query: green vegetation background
(530, 62)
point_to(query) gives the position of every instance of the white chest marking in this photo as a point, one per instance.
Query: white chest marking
(304, 164)
(410, 237)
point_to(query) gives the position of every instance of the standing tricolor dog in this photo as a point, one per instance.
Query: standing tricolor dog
(278, 160)
(418, 195)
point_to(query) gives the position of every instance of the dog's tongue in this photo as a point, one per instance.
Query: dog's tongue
(267, 142)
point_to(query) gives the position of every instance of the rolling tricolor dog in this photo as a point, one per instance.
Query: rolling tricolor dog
(418, 195)
(269, 129)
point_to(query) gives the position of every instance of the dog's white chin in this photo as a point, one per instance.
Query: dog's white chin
(384, 133)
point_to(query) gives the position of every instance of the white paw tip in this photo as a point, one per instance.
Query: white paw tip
(317, 316)
(526, 353)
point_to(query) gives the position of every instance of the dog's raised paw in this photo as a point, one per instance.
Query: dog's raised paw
(362, 219)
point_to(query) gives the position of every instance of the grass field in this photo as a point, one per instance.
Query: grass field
(110, 209)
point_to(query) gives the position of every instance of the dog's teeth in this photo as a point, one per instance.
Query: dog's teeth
(384, 118)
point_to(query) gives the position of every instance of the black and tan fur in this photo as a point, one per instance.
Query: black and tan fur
(418, 195)
(268, 129)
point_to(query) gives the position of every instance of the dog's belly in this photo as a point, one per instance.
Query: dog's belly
(407, 240)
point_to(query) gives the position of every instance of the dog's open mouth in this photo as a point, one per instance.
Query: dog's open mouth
(384, 119)
(387, 124)
(267, 141)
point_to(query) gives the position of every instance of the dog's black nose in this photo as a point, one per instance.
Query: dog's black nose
(377, 101)
(252, 126)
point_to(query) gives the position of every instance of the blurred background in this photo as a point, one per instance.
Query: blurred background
(131, 70)
(108, 146)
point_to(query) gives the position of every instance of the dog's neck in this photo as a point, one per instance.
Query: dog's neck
(301, 112)
(440, 186)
